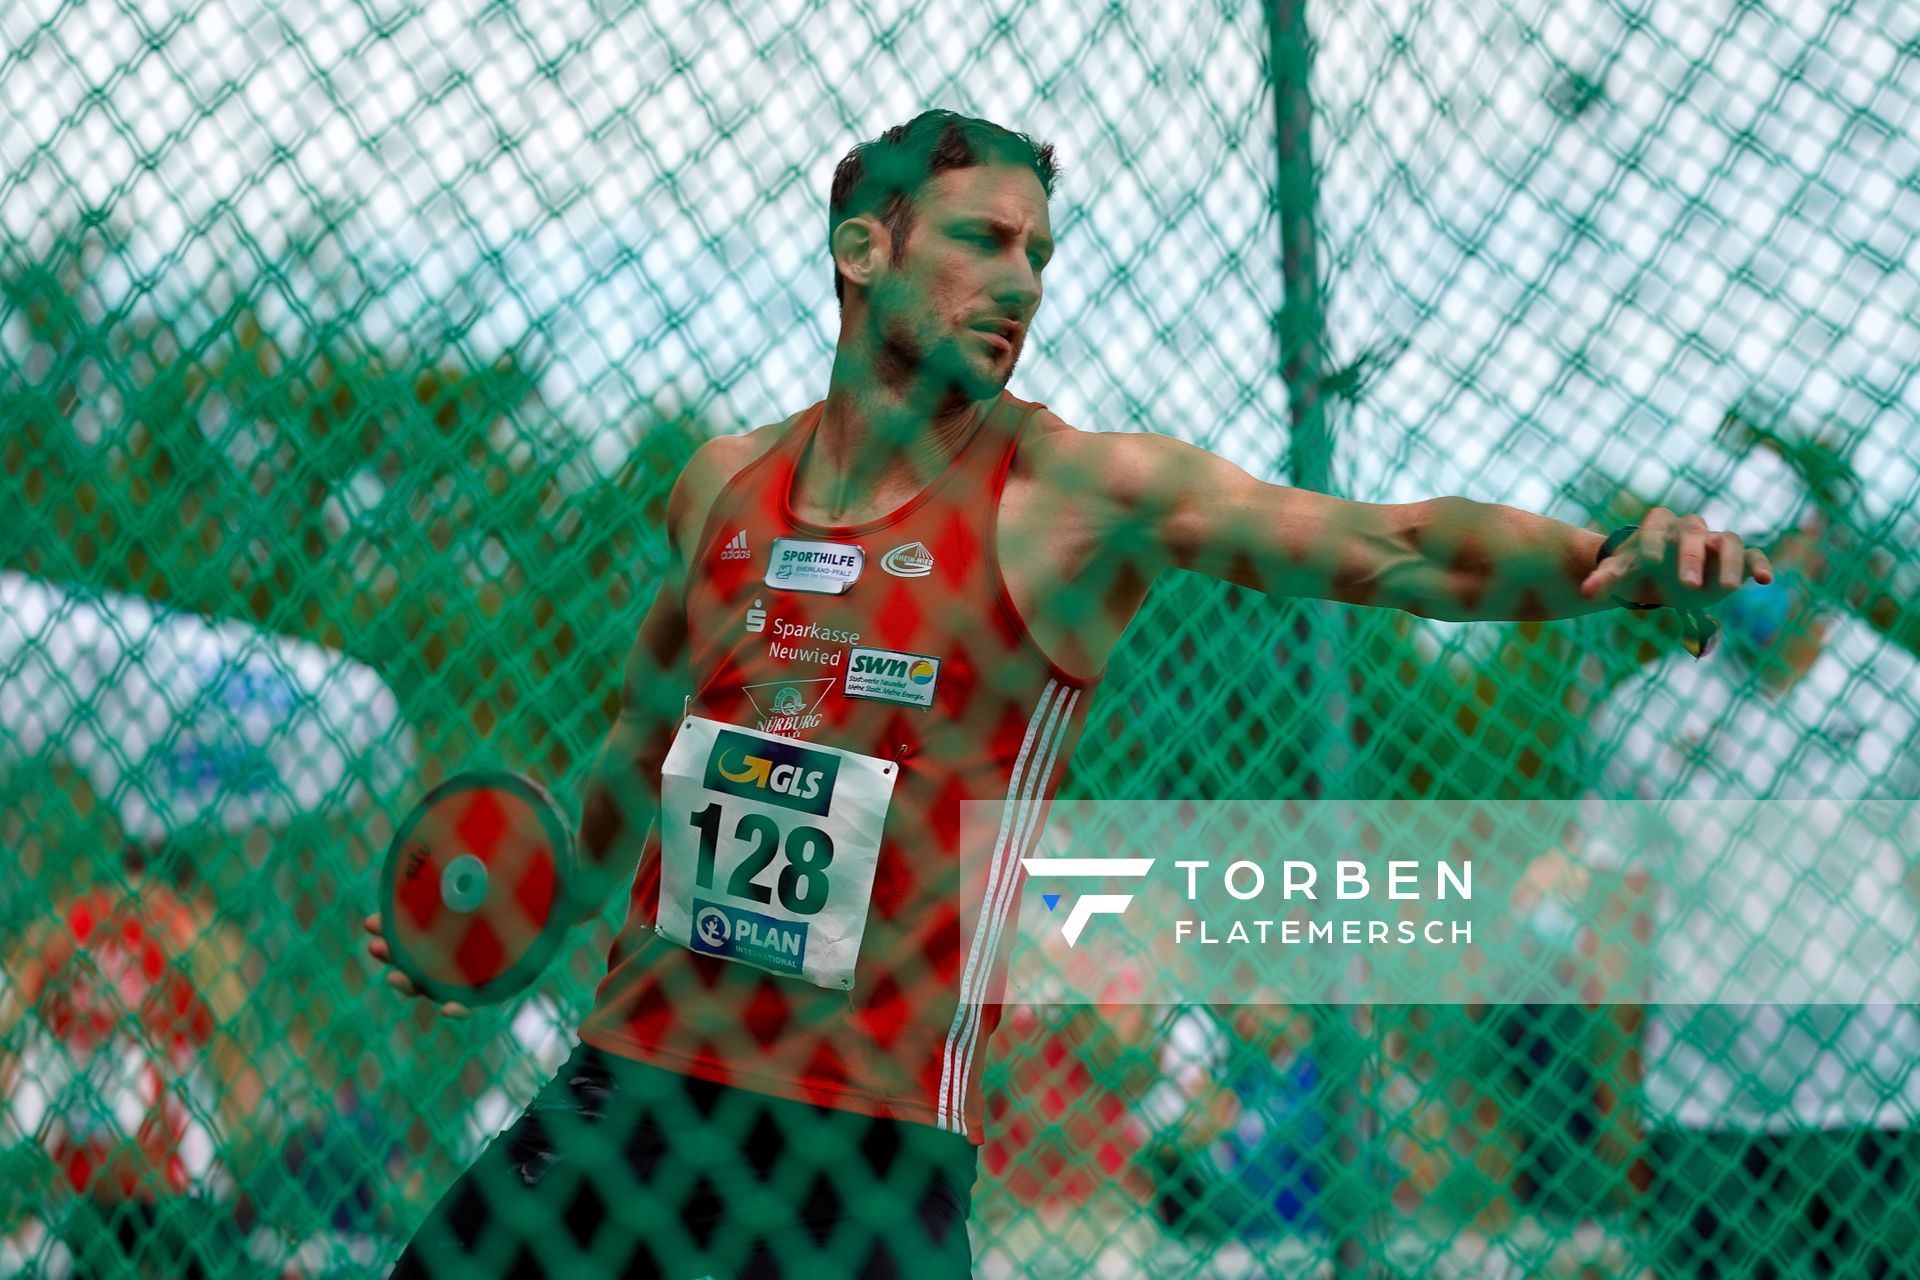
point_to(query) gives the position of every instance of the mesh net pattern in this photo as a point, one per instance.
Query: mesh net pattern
(349, 353)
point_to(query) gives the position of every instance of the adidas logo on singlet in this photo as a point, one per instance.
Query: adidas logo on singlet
(736, 548)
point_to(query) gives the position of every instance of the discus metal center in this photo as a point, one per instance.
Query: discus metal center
(463, 885)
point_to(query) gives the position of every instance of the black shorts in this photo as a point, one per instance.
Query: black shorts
(626, 1171)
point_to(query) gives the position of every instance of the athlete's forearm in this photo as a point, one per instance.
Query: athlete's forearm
(621, 801)
(622, 796)
(1492, 563)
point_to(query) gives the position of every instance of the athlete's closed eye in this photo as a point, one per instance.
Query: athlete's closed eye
(989, 242)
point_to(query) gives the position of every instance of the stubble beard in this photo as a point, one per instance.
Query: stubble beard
(903, 360)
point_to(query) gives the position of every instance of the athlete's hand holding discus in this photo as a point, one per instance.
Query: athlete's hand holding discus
(378, 949)
(474, 895)
(1664, 562)
(1676, 561)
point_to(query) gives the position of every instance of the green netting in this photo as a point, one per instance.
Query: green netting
(349, 351)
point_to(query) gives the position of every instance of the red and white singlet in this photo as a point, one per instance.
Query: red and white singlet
(894, 647)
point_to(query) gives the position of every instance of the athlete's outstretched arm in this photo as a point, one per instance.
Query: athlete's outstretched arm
(1161, 503)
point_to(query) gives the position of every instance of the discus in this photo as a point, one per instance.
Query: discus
(473, 892)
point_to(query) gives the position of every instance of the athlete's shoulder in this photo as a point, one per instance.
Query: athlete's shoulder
(721, 458)
(1056, 455)
(712, 465)
(1049, 440)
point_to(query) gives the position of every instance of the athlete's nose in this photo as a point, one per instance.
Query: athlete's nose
(1018, 293)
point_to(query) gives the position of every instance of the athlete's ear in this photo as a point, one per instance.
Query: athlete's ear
(859, 246)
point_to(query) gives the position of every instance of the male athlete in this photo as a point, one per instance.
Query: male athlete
(896, 600)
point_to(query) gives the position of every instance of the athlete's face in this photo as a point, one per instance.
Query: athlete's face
(971, 270)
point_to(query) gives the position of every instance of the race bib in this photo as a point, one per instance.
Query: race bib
(767, 849)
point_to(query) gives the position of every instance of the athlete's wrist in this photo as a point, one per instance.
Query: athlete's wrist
(1607, 548)
(1698, 630)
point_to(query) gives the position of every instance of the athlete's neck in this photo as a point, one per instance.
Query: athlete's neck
(878, 445)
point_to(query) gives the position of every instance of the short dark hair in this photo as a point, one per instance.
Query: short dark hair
(882, 176)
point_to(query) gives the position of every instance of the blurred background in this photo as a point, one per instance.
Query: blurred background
(348, 351)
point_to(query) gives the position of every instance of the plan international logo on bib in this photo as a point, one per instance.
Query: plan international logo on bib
(779, 946)
(782, 773)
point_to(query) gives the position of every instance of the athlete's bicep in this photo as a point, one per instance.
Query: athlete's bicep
(1180, 506)
(653, 679)
(621, 795)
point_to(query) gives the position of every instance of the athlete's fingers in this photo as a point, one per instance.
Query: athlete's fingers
(1693, 533)
(399, 981)
(377, 945)
(1606, 578)
(1656, 533)
(1600, 579)
(1759, 566)
(1731, 551)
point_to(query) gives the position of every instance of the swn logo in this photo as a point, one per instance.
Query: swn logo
(889, 676)
(1092, 904)
(918, 670)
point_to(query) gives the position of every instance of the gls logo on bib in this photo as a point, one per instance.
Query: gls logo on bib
(785, 774)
